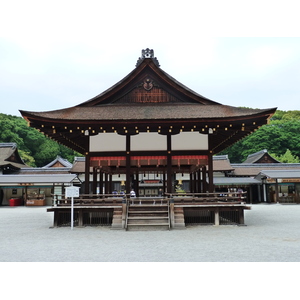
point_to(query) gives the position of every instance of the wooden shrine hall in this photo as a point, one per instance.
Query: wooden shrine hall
(149, 122)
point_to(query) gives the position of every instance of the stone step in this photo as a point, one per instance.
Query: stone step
(147, 205)
(149, 227)
(148, 218)
(147, 213)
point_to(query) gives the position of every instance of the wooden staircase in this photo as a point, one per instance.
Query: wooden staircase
(147, 215)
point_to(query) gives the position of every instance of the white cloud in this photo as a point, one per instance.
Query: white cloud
(55, 54)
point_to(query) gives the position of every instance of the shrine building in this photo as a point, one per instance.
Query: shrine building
(148, 122)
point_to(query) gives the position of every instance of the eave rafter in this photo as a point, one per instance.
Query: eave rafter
(224, 131)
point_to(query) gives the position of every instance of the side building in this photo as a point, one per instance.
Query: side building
(23, 185)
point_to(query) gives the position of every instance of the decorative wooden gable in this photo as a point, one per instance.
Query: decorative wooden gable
(148, 83)
(148, 90)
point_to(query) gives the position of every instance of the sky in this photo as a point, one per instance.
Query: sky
(57, 54)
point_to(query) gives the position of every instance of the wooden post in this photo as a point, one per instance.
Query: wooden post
(80, 217)
(210, 173)
(276, 195)
(128, 162)
(101, 182)
(164, 182)
(94, 180)
(110, 185)
(55, 221)
(124, 210)
(106, 183)
(87, 175)
(241, 216)
(198, 181)
(136, 184)
(217, 217)
(172, 213)
(194, 182)
(204, 183)
(169, 165)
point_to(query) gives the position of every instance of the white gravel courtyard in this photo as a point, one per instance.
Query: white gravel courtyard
(272, 234)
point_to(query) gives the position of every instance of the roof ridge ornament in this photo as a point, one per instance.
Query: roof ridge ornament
(147, 53)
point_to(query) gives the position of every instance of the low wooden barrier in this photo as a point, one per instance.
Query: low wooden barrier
(112, 209)
(210, 198)
(90, 199)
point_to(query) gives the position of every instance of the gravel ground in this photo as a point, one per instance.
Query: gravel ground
(272, 234)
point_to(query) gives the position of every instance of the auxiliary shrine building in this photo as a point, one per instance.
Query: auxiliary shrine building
(148, 123)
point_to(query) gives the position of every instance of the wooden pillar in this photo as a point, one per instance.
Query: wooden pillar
(94, 185)
(128, 162)
(169, 165)
(136, 184)
(210, 174)
(172, 213)
(101, 182)
(164, 182)
(87, 175)
(195, 182)
(199, 181)
(217, 217)
(204, 183)
(106, 183)
(110, 184)
(80, 217)
(191, 183)
(241, 216)
(124, 210)
(55, 221)
(265, 191)
(276, 195)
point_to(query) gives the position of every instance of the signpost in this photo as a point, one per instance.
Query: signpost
(71, 192)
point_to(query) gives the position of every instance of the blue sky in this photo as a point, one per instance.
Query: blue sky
(57, 54)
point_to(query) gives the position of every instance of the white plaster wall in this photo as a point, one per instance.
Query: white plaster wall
(190, 141)
(148, 141)
(107, 142)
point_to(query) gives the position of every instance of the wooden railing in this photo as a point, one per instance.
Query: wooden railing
(148, 200)
(201, 198)
(89, 199)
(178, 198)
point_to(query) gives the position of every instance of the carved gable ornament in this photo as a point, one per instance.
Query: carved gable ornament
(147, 53)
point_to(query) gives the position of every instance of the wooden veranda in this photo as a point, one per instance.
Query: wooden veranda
(174, 211)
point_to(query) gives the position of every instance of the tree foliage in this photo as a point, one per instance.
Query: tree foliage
(287, 157)
(282, 134)
(35, 149)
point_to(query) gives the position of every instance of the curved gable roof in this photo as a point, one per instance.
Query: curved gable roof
(148, 70)
(260, 157)
(148, 100)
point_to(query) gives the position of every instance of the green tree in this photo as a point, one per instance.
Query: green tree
(34, 148)
(287, 157)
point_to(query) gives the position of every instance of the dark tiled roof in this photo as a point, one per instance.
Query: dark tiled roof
(279, 174)
(147, 112)
(7, 151)
(63, 162)
(254, 169)
(221, 163)
(255, 157)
